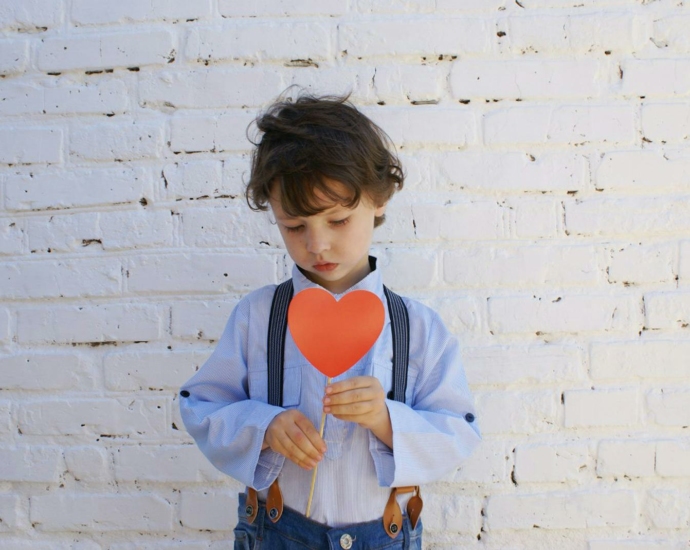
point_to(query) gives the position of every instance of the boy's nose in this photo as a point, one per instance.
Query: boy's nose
(316, 242)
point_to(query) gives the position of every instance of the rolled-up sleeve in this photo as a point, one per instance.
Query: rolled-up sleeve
(437, 430)
(226, 424)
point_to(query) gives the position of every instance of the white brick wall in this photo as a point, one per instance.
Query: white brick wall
(546, 216)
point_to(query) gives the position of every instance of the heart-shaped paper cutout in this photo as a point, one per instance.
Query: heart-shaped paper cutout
(334, 334)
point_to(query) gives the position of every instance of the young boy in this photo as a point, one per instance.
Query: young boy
(326, 172)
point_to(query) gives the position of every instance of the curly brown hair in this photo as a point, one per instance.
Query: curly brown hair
(312, 139)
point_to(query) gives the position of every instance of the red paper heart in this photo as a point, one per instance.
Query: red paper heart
(334, 334)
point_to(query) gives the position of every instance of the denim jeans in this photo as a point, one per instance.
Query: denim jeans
(293, 531)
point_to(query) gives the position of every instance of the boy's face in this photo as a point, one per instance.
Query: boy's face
(331, 247)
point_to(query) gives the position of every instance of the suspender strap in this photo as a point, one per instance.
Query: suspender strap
(277, 328)
(400, 327)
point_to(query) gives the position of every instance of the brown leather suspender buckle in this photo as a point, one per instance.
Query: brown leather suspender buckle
(274, 503)
(392, 515)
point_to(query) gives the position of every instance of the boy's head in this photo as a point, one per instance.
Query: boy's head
(313, 140)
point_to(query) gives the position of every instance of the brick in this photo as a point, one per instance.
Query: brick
(230, 8)
(460, 314)
(667, 309)
(106, 51)
(666, 122)
(642, 170)
(525, 79)
(479, 219)
(153, 544)
(521, 266)
(208, 510)
(30, 145)
(88, 464)
(395, 268)
(90, 324)
(14, 56)
(684, 263)
(667, 509)
(217, 226)
(596, 408)
(572, 510)
(553, 463)
(461, 6)
(12, 237)
(127, 417)
(200, 272)
(4, 325)
(209, 89)
(260, 40)
(640, 360)
(575, 34)
(641, 264)
(80, 543)
(218, 133)
(105, 97)
(163, 463)
(670, 33)
(9, 512)
(60, 279)
(97, 12)
(357, 80)
(200, 320)
(423, 36)
(30, 464)
(514, 171)
(101, 513)
(559, 313)
(31, 15)
(117, 141)
(534, 364)
(74, 188)
(410, 83)
(669, 407)
(631, 545)
(626, 458)
(21, 99)
(426, 125)
(452, 513)
(656, 77)
(136, 229)
(628, 216)
(673, 458)
(535, 218)
(192, 180)
(392, 6)
(132, 371)
(6, 420)
(534, 411)
(64, 233)
(487, 464)
(566, 124)
(44, 372)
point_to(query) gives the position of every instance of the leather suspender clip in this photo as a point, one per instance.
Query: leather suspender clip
(392, 516)
(274, 503)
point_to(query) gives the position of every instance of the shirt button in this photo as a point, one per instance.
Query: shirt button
(346, 542)
(469, 417)
(184, 393)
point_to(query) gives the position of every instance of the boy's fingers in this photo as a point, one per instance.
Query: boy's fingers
(349, 384)
(308, 429)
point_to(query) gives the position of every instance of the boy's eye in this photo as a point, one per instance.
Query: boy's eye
(340, 222)
(293, 229)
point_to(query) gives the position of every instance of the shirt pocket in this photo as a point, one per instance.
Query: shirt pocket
(384, 372)
(292, 385)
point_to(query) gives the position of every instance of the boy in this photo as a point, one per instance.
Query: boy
(326, 173)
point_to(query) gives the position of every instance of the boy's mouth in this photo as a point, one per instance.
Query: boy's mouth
(325, 266)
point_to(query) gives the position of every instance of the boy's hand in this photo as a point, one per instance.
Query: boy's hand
(361, 399)
(292, 435)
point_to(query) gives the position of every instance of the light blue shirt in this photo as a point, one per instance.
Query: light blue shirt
(226, 412)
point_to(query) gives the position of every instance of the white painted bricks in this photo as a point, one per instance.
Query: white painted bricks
(545, 216)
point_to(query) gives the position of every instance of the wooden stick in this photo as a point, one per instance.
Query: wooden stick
(313, 475)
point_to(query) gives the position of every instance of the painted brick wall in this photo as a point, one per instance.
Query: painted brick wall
(546, 215)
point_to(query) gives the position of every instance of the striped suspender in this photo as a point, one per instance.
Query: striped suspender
(277, 328)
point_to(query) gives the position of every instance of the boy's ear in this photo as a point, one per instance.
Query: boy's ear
(380, 210)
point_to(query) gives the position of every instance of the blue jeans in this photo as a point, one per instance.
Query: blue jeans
(293, 531)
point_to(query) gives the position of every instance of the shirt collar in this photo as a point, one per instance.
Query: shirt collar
(372, 282)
